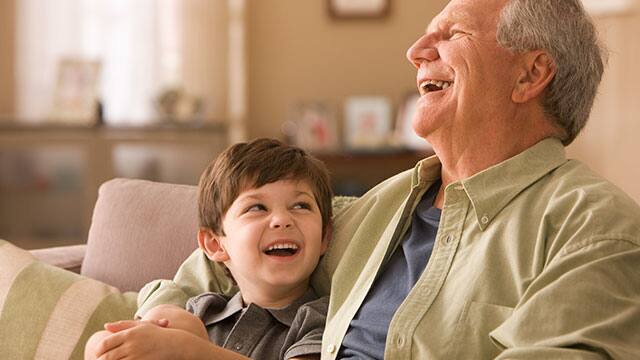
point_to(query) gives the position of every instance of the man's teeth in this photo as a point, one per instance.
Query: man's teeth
(432, 85)
(283, 246)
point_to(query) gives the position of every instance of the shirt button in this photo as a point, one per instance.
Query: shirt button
(238, 346)
(484, 219)
(447, 239)
(331, 349)
(400, 341)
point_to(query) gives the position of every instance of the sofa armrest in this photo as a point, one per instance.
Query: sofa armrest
(65, 257)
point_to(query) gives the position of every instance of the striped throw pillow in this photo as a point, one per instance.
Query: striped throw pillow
(49, 313)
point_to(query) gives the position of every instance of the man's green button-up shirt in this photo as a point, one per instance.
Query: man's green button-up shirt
(535, 258)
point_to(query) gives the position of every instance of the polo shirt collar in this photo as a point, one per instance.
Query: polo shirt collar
(233, 306)
(284, 315)
(492, 189)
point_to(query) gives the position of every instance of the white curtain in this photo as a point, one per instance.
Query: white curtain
(144, 46)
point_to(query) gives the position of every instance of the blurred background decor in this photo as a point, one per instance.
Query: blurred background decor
(367, 122)
(404, 136)
(75, 99)
(176, 106)
(358, 9)
(313, 127)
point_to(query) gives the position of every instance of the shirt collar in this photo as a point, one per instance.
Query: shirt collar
(233, 306)
(492, 189)
(285, 315)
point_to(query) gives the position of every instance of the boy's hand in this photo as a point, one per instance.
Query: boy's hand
(136, 339)
(118, 326)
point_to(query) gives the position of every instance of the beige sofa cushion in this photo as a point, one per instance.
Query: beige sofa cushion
(140, 231)
(49, 313)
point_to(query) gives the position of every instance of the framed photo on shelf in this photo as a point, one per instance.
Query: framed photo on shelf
(312, 126)
(75, 99)
(358, 9)
(404, 135)
(367, 122)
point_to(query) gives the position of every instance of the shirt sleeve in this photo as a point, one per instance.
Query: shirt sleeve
(585, 305)
(305, 335)
(195, 276)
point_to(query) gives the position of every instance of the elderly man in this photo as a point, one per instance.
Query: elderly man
(498, 246)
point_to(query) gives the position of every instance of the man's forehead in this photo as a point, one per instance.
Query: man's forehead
(469, 12)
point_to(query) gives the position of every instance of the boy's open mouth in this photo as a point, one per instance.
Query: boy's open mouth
(282, 249)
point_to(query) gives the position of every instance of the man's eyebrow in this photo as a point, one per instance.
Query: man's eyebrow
(438, 25)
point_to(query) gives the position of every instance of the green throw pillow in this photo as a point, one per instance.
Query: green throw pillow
(48, 312)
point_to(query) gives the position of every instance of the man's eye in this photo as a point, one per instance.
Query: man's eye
(302, 205)
(456, 34)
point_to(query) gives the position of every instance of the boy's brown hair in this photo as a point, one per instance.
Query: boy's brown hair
(254, 164)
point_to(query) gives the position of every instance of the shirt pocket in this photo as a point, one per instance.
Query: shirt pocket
(478, 319)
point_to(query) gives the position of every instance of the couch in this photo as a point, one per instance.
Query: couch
(52, 300)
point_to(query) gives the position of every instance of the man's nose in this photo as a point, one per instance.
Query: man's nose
(423, 50)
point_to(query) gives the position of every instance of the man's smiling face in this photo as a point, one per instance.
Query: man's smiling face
(464, 77)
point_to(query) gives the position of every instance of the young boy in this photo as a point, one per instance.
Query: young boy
(265, 211)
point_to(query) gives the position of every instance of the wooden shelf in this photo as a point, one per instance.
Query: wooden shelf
(353, 173)
(37, 162)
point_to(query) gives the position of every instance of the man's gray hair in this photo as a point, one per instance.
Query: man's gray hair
(566, 31)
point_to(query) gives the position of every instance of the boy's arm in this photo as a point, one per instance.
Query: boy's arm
(196, 275)
(147, 341)
(178, 318)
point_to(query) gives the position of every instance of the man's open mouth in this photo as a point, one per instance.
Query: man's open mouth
(428, 86)
(282, 249)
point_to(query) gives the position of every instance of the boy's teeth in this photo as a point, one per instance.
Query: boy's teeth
(283, 246)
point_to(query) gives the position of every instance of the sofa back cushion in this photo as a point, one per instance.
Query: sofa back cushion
(140, 231)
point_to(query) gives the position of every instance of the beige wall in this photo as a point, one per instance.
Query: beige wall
(7, 50)
(610, 143)
(297, 52)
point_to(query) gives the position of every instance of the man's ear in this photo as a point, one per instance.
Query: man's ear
(211, 245)
(537, 71)
(328, 235)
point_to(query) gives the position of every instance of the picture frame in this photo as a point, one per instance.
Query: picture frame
(312, 126)
(75, 99)
(367, 121)
(404, 135)
(358, 9)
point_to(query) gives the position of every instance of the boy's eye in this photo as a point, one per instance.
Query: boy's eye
(256, 207)
(302, 205)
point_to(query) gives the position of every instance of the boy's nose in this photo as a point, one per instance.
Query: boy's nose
(281, 221)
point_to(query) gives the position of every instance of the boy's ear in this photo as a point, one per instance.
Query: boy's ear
(328, 235)
(211, 245)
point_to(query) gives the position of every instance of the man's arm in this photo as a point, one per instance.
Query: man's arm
(585, 305)
(196, 275)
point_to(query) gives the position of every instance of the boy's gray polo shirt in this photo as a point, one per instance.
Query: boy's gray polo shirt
(258, 333)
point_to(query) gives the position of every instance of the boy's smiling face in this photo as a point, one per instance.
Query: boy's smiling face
(272, 241)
